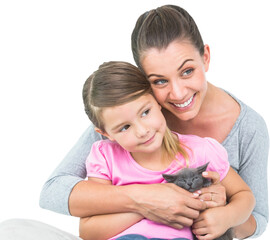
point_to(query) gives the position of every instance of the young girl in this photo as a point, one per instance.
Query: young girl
(140, 148)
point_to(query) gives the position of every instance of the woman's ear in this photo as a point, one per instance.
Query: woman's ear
(98, 130)
(206, 57)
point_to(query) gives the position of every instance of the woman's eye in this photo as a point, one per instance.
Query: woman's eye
(145, 112)
(125, 128)
(159, 81)
(188, 72)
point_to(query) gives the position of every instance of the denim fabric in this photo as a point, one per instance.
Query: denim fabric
(140, 237)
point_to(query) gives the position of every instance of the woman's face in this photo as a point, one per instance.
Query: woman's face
(177, 77)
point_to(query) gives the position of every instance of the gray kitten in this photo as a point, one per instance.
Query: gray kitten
(191, 179)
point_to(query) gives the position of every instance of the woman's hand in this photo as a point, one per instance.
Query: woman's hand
(211, 224)
(167, 204)
(214, 195)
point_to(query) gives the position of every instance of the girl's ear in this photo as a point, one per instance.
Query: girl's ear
(104, 133)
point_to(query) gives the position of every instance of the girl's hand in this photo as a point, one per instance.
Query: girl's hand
(211, 224)
(214, 195)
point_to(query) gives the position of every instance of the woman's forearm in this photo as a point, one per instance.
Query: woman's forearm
(89, 198)
(102, 227)
(246, 229)
(163, 203)
(240, 208)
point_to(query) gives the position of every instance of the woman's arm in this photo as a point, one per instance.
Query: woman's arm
(163, 203)
(101, 227)
(71, 171)
(238, 210)
(253, 154)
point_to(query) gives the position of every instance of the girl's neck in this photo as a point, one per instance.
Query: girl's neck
(155, 161)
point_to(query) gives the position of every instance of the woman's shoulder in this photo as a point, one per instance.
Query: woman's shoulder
(249, 120)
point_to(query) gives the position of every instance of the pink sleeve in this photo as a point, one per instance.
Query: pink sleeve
(96, 163)
(217, 155)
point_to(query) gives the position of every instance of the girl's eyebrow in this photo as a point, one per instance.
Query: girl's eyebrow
(157, 75)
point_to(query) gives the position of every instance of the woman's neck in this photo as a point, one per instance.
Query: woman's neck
(218, 109)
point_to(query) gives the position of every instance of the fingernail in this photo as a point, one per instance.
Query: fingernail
(205, 173)
(202, 200)
(195, 194)
(199, 191)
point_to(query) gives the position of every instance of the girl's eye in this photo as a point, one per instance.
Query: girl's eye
(159, 81)
(188, 72)
(125, 128)
(145, 112)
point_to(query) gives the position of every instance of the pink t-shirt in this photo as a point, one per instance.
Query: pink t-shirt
(108, 160)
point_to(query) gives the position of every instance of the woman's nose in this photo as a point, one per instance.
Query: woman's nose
(177, 90)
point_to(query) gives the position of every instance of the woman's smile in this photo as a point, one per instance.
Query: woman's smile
(186, 105)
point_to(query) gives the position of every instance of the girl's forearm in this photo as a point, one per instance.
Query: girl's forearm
(102, 227)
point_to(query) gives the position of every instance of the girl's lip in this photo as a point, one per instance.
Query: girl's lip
(190, 104)
(150, 140)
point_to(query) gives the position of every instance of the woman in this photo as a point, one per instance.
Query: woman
(194, 107)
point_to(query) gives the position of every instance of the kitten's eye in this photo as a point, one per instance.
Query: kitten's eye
(195, 178)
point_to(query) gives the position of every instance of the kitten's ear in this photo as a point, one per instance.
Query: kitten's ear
(169, 178)
(202, 168)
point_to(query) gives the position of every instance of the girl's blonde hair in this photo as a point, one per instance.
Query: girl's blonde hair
(117, 83)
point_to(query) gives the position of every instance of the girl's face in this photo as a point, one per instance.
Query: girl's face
(138, 126)
(177, 77)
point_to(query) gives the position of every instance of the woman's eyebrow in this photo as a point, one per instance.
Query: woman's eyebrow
(184, 63)
(158, 75)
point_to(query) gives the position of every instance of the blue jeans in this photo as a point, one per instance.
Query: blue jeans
(140, 237)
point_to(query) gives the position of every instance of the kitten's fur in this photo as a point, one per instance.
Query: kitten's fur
(191, 179)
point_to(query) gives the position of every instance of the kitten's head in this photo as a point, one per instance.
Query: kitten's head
(190, 179)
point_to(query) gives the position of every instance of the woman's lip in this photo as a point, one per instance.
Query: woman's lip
(188, 104)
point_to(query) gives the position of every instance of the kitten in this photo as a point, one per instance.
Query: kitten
(191, 179)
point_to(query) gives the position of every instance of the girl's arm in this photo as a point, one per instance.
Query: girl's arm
(238, 210)
(101, 227)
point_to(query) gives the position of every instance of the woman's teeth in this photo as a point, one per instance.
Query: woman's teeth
(185, 103)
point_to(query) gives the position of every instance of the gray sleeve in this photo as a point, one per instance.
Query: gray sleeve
(254, 147)
(56, 190)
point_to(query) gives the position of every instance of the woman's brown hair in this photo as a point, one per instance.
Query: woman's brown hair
(159, 27)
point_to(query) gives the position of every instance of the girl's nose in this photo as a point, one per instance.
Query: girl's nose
(141, 130)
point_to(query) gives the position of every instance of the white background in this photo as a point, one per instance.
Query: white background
(48, 49)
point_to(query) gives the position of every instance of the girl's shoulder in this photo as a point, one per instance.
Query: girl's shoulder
(107, 146)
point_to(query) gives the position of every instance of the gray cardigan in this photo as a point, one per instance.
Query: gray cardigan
(247, 145)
